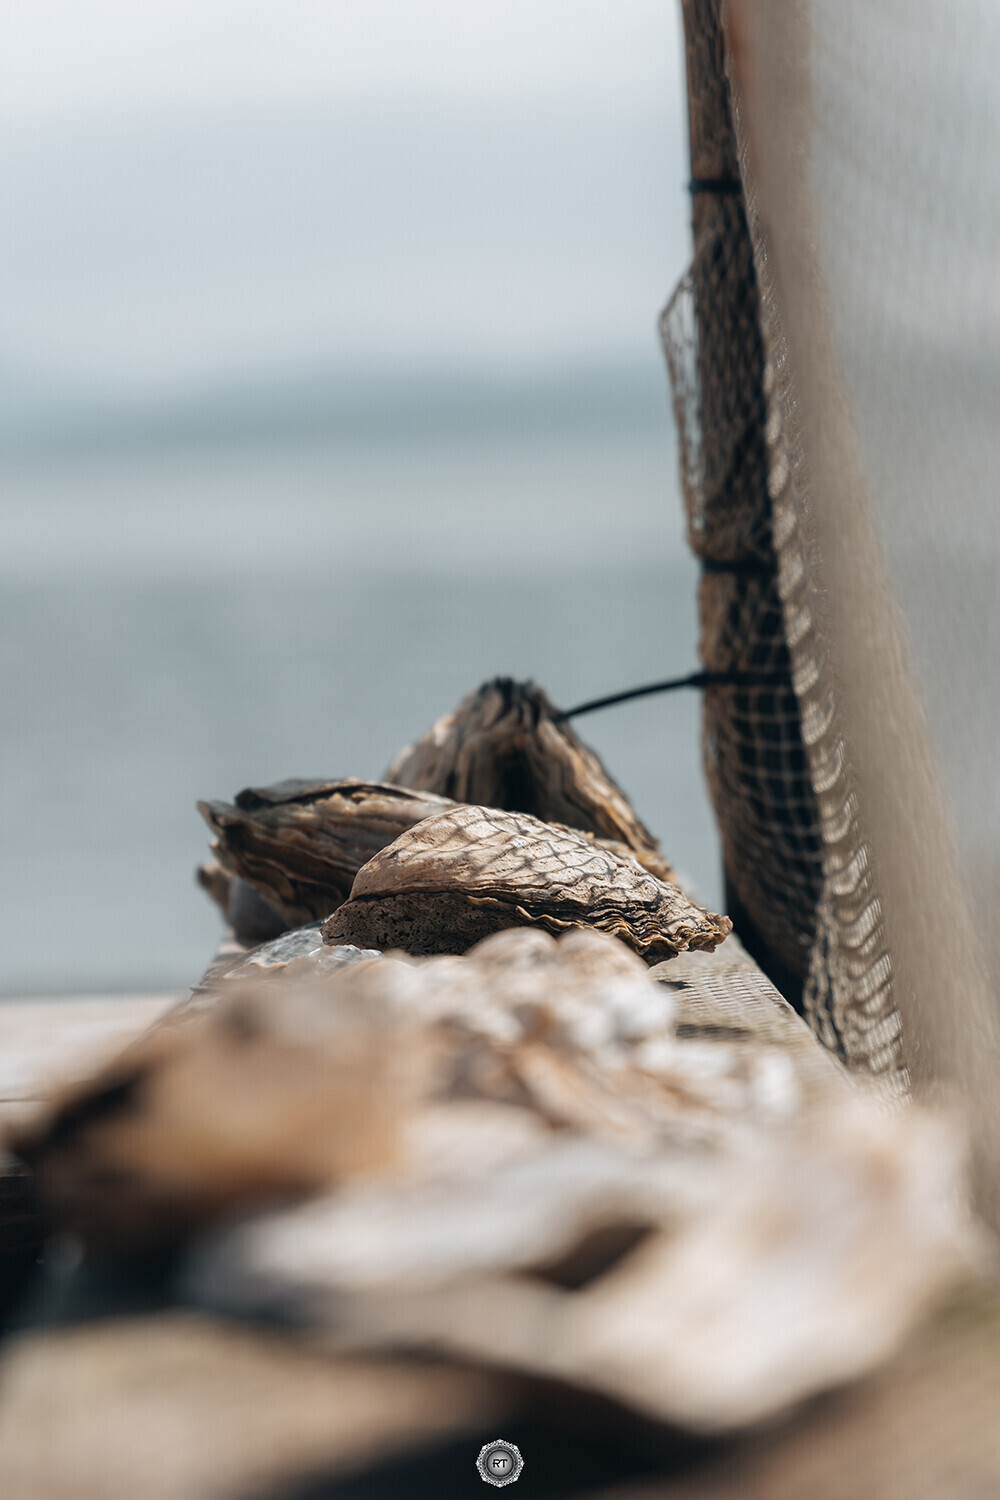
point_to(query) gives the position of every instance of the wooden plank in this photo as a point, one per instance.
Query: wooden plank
(46, 1042)
(184, 1407)
(725, 993)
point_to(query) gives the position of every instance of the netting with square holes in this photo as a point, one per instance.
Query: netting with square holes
(797, 870)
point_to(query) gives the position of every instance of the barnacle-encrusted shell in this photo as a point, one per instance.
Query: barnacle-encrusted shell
(299, 844)
(464, 873)
(503, 747)
(300, 951)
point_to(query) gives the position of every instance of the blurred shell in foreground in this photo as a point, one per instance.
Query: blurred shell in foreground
(524, 1159)
(250, 1095)
(707, 1287)
(299, 952)
(288, 1082)
(470, 871)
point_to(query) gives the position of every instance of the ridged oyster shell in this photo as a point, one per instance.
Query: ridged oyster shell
(470, 871)
(299, 844)
(503, 747)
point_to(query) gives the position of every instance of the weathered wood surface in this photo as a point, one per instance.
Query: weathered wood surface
(179, 1406)
(725, 995)
(45, 1042)
(42, 1044)
(182, 1407)
(922, 1428)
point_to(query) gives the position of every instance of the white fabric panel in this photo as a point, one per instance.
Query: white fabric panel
(872, 132)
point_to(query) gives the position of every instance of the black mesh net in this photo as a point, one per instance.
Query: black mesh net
(797, 874)
(754, 757)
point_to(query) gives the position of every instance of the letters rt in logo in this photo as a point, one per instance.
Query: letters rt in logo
(499, 1462)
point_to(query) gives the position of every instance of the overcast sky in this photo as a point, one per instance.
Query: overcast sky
(197, 189)
(65, 59)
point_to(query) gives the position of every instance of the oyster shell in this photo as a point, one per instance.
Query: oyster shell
(300, 951)
(248, 914)
(259, 1091)
(299, 844)
(470, 871)
(293, 1076)
(503, 747)
(520, 1159)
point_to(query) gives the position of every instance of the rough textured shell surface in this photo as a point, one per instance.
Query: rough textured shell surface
(503, 747)
(300, 844)
(509, 869)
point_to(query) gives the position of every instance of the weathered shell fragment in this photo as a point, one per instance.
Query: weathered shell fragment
(708, 1288)
(300, 952)
(503, 747)
(465, 873)
(291, 1080)
(299, 844)
(573, 1028)
(247, 913)
(517, 1162)
(266, 1092)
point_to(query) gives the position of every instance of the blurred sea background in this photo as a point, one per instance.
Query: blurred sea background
(329, 387)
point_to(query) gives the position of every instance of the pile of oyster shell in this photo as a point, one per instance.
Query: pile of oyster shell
(472, 1083)
(499, 817)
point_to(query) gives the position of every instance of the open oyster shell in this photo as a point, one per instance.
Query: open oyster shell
(503, 747)
(470, 871)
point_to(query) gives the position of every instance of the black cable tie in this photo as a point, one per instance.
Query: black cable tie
(714, 185)
(692, 680)
(744, 566)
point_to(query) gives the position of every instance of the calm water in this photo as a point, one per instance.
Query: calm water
(175, 628)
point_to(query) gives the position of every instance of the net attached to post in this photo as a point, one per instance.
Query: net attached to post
(835, 354)
(758, 771)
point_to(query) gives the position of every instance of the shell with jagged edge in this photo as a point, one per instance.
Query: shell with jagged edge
(462, 874)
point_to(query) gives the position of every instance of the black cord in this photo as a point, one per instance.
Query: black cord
(714, 185)
(745, 566)
(693, 680)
